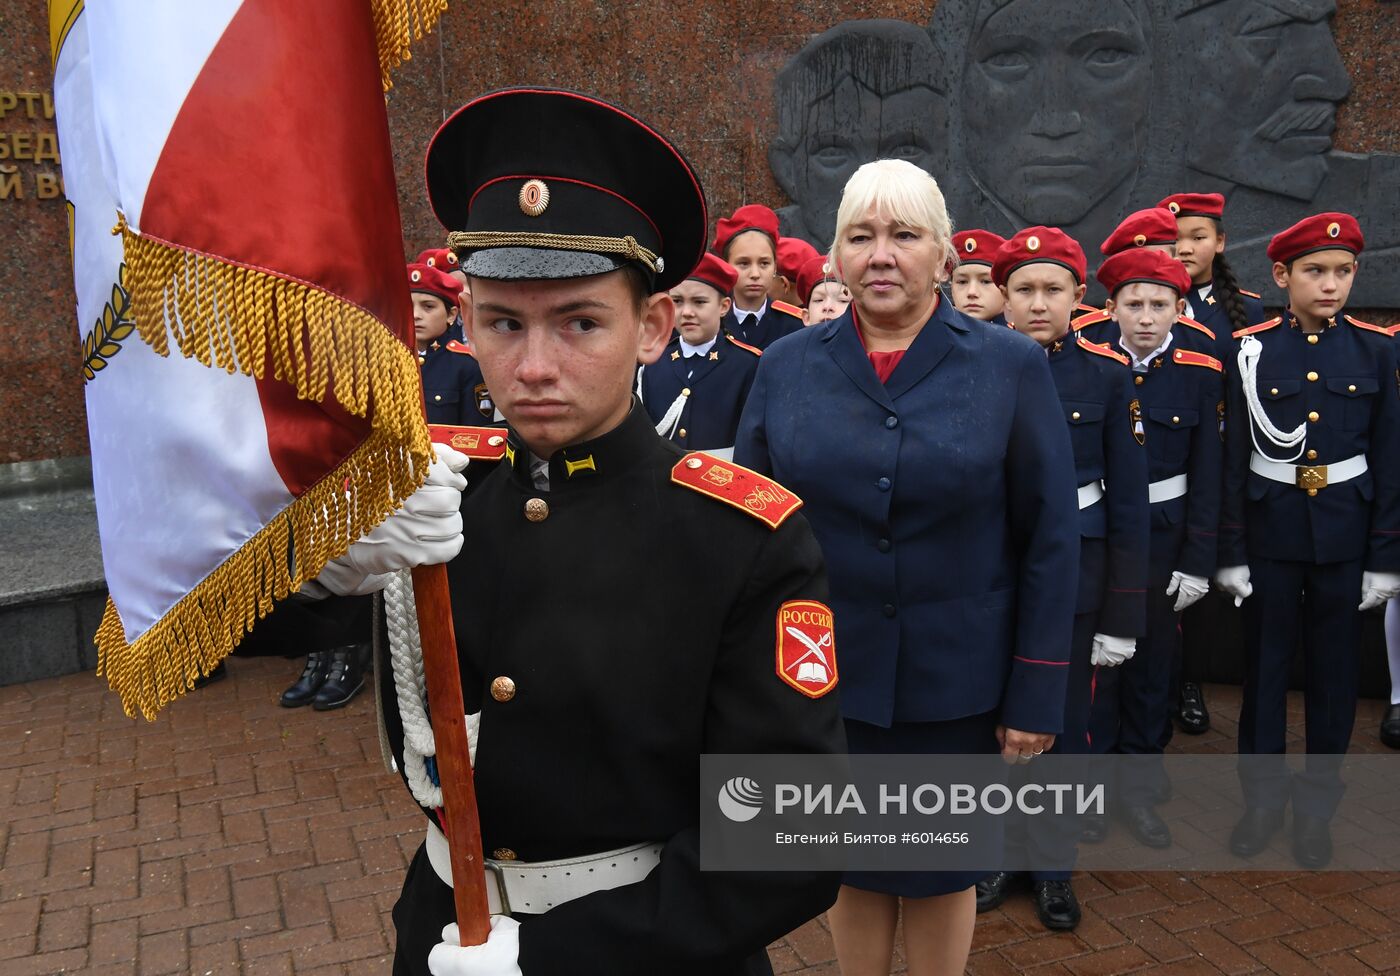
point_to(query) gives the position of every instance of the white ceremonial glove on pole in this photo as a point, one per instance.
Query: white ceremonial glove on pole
(1234, 580)
(1188, 589)
(1378, 588)
(1109, 651)
(500, 956)
(424, 531)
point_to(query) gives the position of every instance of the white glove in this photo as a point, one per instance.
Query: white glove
(424, 531)
(1234, 580)
(1109, 651)
(500, 956)
(1378, 588)
(1188, 589)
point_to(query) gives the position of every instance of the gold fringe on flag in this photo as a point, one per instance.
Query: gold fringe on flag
(397, 24)
(238, 319)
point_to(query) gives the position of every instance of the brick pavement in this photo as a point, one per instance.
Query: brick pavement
(234, 836)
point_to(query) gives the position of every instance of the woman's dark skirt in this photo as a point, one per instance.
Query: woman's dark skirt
(974, 735)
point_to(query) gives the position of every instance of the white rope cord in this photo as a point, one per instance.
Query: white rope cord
(640, 369)
(406, 660)
(667, 425)
(1248, 359)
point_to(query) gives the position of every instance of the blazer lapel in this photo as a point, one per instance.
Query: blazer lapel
(927, 350)
(843, 344)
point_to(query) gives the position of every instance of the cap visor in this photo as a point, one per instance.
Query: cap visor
(534, 263)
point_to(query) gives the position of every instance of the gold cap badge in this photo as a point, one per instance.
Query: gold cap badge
(969, 245)
(1032, 244)
(1174, 207)
(534, 197)
(1334, 229)
(1140, 240)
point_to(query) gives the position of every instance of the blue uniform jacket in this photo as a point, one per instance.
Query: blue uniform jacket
(944, 504)
(1217, 319)
(1099, 328)
(718, 382)
(1107, 433)
(1348, 379)
(453, 388)
(774, 324)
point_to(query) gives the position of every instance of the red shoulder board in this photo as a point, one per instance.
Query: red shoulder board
(746, 490)
(1261, 327)
(785, 307)
(477, 443)
(1086, 308)
(1089, 318)
(1192, 323)
(1382, 329)
(744, 345)
(1099, 350)
(1251, 294)
(1197, 359)
(454, 346)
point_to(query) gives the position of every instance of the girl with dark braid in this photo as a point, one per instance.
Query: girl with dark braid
(1216, 300)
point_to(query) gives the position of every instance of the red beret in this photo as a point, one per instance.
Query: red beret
(1036, 245)
(1152, 226)
(426, 278)
(978, 246)
(793, 253)
(752, 216)
(1320, 232)
(813, 273)
(715, 272)
(439, 257)
(1195, 205)
(1136, 264)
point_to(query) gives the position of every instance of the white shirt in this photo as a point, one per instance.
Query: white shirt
(1205, 293)
(1140, 365)
(687, 350)
(743, 314)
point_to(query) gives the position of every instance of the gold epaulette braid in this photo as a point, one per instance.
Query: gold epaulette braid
(624, 246)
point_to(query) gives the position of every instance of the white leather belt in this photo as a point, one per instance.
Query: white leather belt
(1307, 476)
(534, 887)
(1166, 489)
(1089, 494)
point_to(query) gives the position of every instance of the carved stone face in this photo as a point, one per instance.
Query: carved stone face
(852, 126)
(1264, 86)
(1054, 103)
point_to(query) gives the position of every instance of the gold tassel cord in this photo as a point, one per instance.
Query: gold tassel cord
(240, 319)
(397, 24)
(208, 622)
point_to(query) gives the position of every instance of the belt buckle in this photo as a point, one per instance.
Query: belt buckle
(1312, 476)
(494, 870)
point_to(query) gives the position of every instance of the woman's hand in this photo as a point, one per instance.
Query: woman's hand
(1022, 747)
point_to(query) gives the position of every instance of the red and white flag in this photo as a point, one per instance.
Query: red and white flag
(253, 405)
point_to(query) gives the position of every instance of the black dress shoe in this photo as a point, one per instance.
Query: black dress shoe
(1144, 824)
(1312, 841)
(1251, 835)
(993, 889)
(1056, 906)
(1192, 717)
(344, 681)
(313, 676)
(218, 674)
(1093, 828)
(1390, 727)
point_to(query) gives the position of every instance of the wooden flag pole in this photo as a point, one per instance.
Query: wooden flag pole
(459, 817)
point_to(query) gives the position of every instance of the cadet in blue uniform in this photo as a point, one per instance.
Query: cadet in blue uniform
(453, 388)
(1153, 229)
(1181, 393)
(1216, 299)
(749, 241)
(970, 285)
(695, 392)
(1310, 523)
(937, 477)
(1041, 271)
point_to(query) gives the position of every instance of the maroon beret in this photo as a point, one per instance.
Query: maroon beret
(1321, 232)
(1152, 226)
(1136, 264)
(715, 272)
(1036, 245)
(1195, 205)
(426, 278)
(977, 246)
(752, 216)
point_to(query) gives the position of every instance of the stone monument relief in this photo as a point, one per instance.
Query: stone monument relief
(1075, 114)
